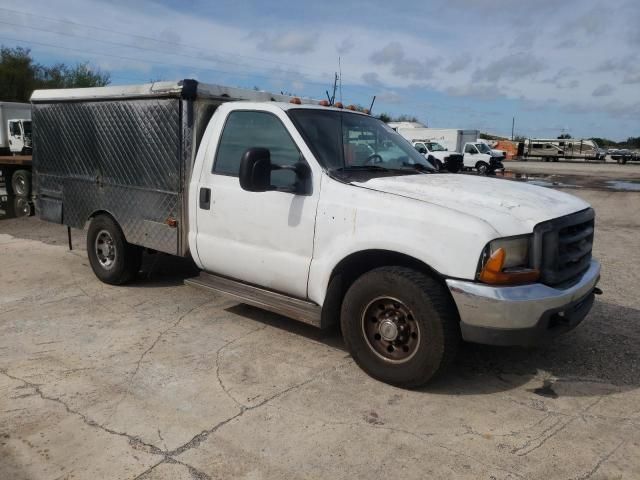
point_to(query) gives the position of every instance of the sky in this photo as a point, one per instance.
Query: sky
(569, 66)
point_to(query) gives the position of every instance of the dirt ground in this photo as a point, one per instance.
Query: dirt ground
(158, 380)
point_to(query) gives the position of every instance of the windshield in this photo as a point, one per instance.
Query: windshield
(27, 127)
(350, 141)
(483, 148)
(435, 147)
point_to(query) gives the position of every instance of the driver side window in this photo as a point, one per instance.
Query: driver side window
(469, 149)
(248, 129)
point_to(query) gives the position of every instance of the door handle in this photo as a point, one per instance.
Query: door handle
(205, 198)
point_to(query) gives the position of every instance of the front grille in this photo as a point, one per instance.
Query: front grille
(563, 247)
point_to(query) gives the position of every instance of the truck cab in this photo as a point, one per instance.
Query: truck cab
(478, 156)
(19, 135)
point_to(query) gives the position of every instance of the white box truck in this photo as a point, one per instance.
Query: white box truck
(318, 213)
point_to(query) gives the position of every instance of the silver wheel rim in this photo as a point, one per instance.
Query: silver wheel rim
(20, 186)
(390, 330)
(105, 250)
(22, 207)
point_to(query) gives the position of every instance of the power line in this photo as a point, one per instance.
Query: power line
(165, 64)
(142, 37)
(138, 47)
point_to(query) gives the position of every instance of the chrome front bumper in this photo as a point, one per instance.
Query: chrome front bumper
(521, 315)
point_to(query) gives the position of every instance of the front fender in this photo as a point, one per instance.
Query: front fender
(352, 219)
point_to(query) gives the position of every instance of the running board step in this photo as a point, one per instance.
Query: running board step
(291, 307)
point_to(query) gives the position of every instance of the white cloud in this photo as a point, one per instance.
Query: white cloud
(286, 42)
(346, 45)
(603, 90)
(576, 47)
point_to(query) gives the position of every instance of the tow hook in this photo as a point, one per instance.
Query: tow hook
(597, 291)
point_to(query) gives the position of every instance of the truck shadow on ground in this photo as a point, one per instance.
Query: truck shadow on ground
(603, 350)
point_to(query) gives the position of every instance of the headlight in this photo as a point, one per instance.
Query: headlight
(507, 261)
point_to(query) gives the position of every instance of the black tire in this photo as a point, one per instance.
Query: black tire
(21, 207)
(112, 259)
(482, 168)
(431, 314)
(21, 183)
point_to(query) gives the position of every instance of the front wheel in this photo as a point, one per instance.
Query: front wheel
(113, 260)
(482, 167)
(400, 326)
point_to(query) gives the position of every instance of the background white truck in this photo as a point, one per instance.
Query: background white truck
(15, 128)
(15, 159)
(321, 214)
(476, 154)
(439, 156)
(451, 138)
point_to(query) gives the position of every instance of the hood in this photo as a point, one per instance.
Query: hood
(511, 208)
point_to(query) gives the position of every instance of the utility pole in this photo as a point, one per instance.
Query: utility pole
(513, 125)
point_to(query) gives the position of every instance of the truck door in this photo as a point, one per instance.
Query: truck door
(262, 238)
(470, 155)
(16, 138)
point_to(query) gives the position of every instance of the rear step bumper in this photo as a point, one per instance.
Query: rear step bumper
(291, 307)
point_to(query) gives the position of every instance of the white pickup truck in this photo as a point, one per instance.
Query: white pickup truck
(280, 208)
(478, 155)
(439, 156)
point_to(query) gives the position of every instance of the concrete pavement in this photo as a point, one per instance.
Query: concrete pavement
(157, 380)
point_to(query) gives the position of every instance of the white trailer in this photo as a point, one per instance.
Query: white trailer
(15, 128)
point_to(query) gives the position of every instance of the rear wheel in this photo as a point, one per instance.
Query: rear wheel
(113, 260)
(21, 207)
(400, 326)
(21, 183)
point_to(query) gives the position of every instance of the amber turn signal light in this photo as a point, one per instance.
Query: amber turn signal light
(492, 272)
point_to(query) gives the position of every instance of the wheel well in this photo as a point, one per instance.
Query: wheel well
(108, 214)
(357, 264)
(102, 212)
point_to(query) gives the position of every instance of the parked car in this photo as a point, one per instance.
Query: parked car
(273, 207)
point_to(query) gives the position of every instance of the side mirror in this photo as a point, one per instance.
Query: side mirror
(256, 168)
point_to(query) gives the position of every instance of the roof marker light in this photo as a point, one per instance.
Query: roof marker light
(323, 103)
(352, 108)
(338, 105)
(295, 101)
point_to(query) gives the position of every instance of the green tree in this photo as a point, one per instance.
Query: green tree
(385, 117)
(20, 75)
